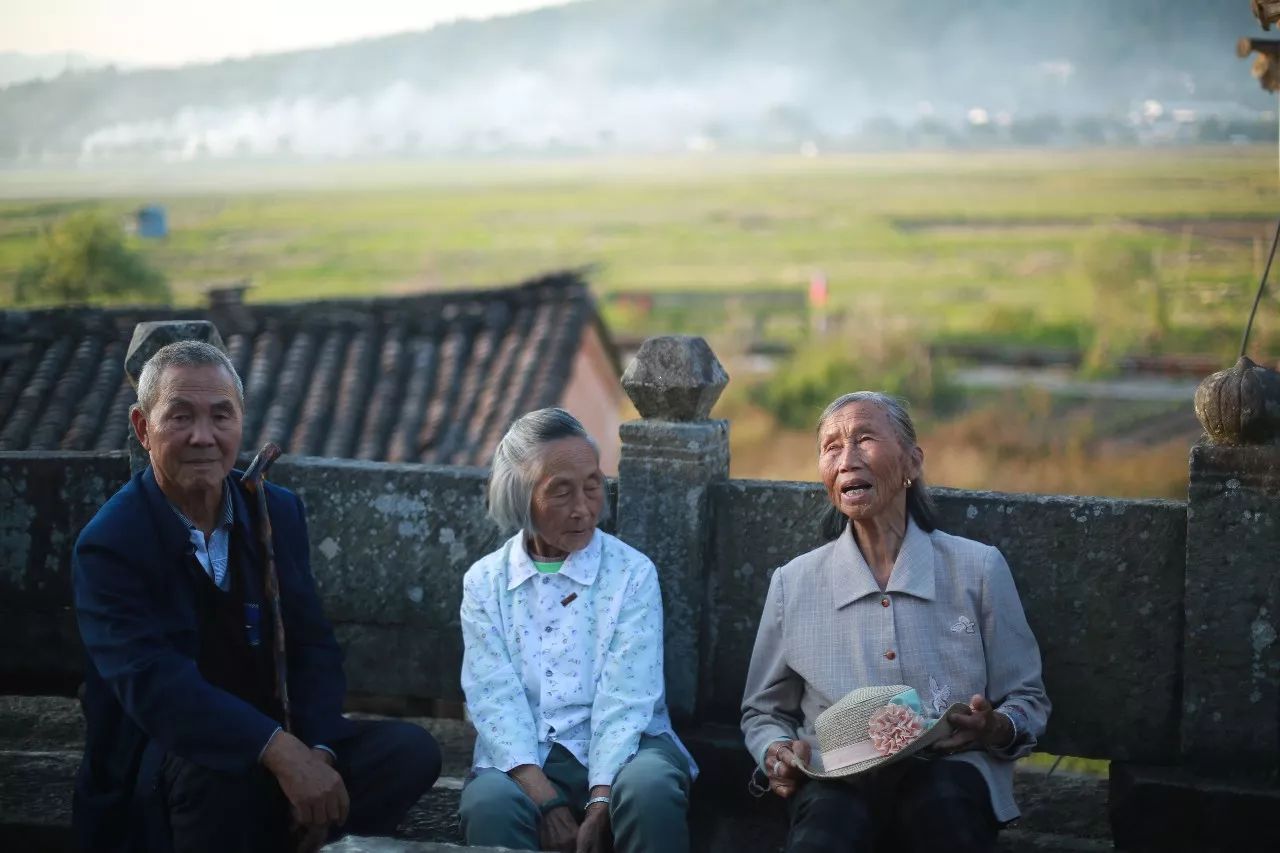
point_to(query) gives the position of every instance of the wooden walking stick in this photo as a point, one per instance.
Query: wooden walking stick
(253, 481)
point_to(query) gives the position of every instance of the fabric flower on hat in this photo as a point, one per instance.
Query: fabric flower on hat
(893, 727)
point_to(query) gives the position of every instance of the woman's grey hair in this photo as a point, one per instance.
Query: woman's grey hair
(516, 465)
(920, 504)
(182, 354)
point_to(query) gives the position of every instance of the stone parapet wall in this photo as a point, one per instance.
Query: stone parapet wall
(46, 498)
(1101, 581)
(389, 546)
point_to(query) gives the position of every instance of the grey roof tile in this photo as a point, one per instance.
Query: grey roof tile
(432, 378)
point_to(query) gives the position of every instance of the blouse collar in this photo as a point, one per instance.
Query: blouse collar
(580, 566)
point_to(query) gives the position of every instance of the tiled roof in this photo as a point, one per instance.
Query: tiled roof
(428, 378)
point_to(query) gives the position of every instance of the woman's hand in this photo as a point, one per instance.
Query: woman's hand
(595, 834)
(979, 726)
(557, 830)
(780, 767)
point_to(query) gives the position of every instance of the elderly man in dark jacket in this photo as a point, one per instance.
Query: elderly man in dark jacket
(188, 747)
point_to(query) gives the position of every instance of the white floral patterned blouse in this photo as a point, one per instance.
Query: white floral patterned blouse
(573, 658)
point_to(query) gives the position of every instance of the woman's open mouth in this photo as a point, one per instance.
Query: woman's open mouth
(854, 489)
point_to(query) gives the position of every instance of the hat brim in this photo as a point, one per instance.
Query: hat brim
(939, 731)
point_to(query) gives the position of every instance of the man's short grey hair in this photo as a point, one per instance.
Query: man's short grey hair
(920, 504)
(517, 465)
(182, 354)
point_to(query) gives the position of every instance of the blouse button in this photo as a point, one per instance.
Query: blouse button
(890, 655)
(548, 673)
(884, 602)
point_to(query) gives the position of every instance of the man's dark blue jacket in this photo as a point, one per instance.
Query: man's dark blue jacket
(135, 583)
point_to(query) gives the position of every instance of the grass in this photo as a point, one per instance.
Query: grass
(944, 238)
(960, 245)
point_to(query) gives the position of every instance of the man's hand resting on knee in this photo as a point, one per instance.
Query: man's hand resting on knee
(315, 791)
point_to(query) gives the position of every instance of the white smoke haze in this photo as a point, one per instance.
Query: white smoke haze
(603, 76)
(511, 110)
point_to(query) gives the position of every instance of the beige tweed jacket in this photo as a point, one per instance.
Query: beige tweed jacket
(950, 624)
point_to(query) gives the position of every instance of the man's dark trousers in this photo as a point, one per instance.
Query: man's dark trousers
(385, 765)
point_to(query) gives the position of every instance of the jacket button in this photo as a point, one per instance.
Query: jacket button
(884, 602)
(890, 655)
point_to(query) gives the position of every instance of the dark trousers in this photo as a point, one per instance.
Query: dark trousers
(386, 766)
(917, 807)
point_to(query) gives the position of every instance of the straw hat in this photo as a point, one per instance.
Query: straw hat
(872, 727)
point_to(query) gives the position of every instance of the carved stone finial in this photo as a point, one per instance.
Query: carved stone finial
(1240, 405)
(675, 378)
(150, 337)
(1267, 12)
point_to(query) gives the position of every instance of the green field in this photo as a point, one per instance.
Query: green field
(1012, 246)
(957, 242)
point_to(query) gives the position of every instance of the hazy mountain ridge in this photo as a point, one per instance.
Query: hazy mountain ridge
(651, 74)
(19, 67)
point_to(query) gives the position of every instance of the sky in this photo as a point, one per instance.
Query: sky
(171, 32)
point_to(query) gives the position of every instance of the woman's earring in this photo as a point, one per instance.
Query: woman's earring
(906, 483)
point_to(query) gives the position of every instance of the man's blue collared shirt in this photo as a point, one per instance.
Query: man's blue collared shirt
(214, 552)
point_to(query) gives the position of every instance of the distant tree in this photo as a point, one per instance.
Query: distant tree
(86, 258)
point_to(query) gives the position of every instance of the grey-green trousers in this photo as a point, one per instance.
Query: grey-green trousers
(648, 808)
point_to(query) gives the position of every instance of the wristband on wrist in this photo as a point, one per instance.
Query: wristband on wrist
(556, 802)
(594, 800)
(1013, 725)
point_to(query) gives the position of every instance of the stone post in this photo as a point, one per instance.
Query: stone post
(147, 339)
(1224, 794)
(1231, 674)
(669, 459)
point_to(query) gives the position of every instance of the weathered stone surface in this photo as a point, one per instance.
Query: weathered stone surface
(1232, 671)
(1101, 582)
(389, 546)
(395, 845)
(1170, 810)
(151, 336)
(46, 498)
(41, 738)
(675, 378)
(663, 510)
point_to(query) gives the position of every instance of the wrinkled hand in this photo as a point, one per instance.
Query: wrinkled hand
(779, 763)
(595, 836)
(308, 839)
(558, 831)
(316, 793)
(978, 726)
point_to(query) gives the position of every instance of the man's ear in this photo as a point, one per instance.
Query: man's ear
(139, 422)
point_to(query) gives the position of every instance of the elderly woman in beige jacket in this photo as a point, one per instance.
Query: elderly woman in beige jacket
(892, 600)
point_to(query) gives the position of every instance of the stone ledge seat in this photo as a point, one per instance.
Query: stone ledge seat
(41, 739)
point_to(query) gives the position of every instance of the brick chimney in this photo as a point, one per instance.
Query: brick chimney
(227, 308)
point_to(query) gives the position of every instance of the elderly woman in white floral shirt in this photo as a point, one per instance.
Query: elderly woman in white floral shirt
(562, 669)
